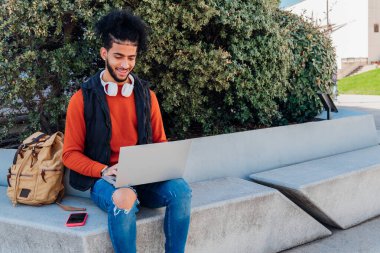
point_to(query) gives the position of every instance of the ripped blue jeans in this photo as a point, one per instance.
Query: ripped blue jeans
(174, 194)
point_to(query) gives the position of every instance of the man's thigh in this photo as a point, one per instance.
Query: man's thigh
(159, 194)
(101, 194)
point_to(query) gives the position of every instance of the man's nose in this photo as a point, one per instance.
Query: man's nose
(124, 64)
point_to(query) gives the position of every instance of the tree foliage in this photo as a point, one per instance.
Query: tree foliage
(217, 66)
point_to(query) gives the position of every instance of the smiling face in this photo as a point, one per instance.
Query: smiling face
(120, 60)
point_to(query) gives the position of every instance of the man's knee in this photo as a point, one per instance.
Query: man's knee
(180, 190)
(124, 198)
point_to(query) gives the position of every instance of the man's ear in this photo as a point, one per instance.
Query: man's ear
(103, 53)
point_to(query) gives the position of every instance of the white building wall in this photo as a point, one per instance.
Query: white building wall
(373, 37)
(351, 41)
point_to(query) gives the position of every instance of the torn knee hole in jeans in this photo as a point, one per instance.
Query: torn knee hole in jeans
(117, 210)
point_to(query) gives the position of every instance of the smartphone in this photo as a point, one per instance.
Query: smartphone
(76, 219)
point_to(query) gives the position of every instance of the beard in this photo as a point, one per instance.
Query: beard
(113, 74)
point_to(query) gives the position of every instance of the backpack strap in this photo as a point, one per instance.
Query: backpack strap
(23, 145)
(65, 207)
(9, 177)
(37, 139)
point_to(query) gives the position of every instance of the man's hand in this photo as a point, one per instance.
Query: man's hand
(110, 171)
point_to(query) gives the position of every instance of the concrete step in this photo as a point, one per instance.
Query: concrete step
(363, 238)
(339, 190)
(228, 215)
(366, 68)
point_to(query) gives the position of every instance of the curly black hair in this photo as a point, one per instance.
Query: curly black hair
(121, 25)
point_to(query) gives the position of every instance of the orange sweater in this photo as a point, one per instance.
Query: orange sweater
(124, 131)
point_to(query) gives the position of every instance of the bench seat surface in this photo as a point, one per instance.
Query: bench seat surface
(319, 170)
(339, 190)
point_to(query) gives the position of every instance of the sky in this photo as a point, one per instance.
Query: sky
(286, 3)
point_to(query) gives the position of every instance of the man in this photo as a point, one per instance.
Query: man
(115, 108)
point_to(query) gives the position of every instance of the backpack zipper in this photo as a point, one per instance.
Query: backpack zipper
(22, 175)
(43, 173)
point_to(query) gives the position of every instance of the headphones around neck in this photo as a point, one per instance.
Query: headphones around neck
(111, 88)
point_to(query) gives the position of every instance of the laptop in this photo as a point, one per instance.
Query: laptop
(143, 164)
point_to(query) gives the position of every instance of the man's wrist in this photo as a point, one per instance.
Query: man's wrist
(103, 170)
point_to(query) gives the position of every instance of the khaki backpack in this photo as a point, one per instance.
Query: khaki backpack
(36, 175)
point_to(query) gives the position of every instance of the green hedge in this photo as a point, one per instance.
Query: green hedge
(217, 66)
(312, 67)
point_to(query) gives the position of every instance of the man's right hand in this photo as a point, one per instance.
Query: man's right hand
(110, 171)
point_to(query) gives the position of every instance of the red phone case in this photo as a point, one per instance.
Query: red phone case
(76, 224)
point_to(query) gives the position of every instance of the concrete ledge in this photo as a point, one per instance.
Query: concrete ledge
(228, 215)
(339, 190)
(265, 149)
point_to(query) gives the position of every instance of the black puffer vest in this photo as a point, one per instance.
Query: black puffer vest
(98, 124)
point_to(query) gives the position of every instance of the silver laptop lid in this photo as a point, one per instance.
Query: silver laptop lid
(150, 163)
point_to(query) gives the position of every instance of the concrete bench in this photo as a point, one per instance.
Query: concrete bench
(228, 215)
(339, 190)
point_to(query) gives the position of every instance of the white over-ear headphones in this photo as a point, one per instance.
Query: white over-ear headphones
(111, 88)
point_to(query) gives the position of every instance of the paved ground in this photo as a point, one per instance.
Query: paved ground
(363, 238)
(362, 103)
(368, 104)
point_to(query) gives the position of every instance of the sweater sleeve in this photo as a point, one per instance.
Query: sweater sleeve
(73, 146)
(158, 131)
